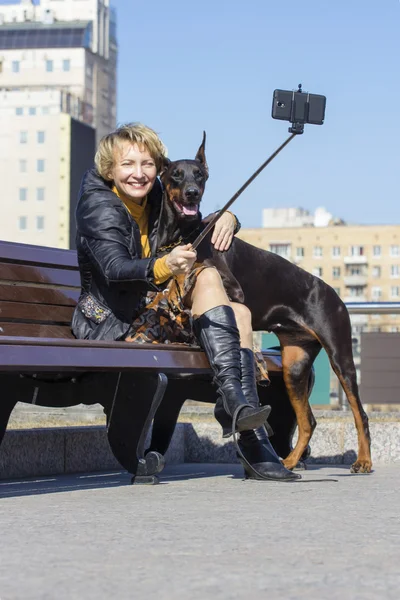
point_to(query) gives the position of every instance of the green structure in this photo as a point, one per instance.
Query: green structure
(320, 393)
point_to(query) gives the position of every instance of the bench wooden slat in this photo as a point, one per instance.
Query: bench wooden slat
(36, 274)
(51, 358)
(35, 330)
(18, 311)
(38, 295)
(28, 253)
(194, 355)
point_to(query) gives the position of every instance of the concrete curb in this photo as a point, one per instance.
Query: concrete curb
(57, 450)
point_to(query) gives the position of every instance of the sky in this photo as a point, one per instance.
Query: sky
(185, 67)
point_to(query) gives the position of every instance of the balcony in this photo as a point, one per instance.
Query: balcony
(354, 299)
(355, 280)
(355, 260)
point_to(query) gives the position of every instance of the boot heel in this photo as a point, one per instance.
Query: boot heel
(252, 420)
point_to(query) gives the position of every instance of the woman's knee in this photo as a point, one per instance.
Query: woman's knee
(209, 278)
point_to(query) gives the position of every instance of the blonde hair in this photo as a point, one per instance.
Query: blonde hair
(134, 133)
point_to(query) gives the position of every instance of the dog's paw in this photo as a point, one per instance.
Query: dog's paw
(361, 466)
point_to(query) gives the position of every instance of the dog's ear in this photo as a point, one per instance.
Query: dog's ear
(201, 154)
(165, 164)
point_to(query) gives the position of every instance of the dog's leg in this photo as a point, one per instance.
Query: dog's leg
(339, 349)
(346, 373)
(298, 356)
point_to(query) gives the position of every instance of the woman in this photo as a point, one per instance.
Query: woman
(118, 218)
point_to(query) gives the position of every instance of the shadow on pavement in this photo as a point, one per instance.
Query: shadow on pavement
(87, 481)
(183, 472)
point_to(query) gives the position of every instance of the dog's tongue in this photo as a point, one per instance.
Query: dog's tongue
(190, 209)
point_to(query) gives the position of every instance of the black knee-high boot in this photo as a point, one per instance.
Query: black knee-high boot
(217, 333)
(255, 451)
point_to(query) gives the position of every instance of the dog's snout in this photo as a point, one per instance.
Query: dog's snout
(192, 193)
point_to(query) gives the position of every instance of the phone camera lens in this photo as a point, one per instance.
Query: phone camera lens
(281, 104)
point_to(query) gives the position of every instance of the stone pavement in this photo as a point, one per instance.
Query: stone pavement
(202, 533)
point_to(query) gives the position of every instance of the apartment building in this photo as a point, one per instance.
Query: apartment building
(70, 46)
(44, 151)
(57, 98)
(361, 262)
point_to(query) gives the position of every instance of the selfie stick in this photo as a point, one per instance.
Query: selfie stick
(215, 218)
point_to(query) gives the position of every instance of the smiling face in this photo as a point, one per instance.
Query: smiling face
(134, 171)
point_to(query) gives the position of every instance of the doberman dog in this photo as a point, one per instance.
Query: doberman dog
(303, 311)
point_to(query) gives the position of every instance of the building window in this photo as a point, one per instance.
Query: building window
(23, 137)
(337, 290)
(45, 110)
(336, 272)
(394, 250)
(19, 111)
(280, 249)
(317, 271)
(376, 272)
(49, 66)
(376, 293)
(317, 251)
(395, 291)
(393, 329)
(32, 110)
(23, 165)
(23, 194)
(40, 137)
(22, 223)
(355, 271)
(394, 271)
(357, 250)
(15, 66)
(40, 194)
(376, 250)
(355, 291)
(40, 165)
(40, 223)
(336, 251)
(66, 65)
(300, 252)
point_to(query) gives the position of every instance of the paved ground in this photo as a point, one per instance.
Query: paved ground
(203, 533)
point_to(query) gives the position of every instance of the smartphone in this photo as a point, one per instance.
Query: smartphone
(298, 107)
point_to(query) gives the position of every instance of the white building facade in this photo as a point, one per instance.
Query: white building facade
(39, 177)
(57, 98)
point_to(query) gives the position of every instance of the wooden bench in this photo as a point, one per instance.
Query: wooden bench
(42, 363)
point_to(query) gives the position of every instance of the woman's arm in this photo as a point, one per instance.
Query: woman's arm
(114, 263)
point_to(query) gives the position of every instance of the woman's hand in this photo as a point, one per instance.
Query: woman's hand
(223, 232)
(181, 259)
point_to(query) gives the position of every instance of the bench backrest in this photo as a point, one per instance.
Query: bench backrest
(39, 288)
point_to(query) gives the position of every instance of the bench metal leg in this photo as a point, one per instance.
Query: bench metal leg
(6, 408)
(136, 400)
(167, 414)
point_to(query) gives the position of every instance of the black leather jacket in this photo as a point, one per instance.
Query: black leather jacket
(114, 276)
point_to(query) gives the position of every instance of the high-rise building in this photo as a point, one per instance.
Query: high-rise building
(68, 45)
(58, 97)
